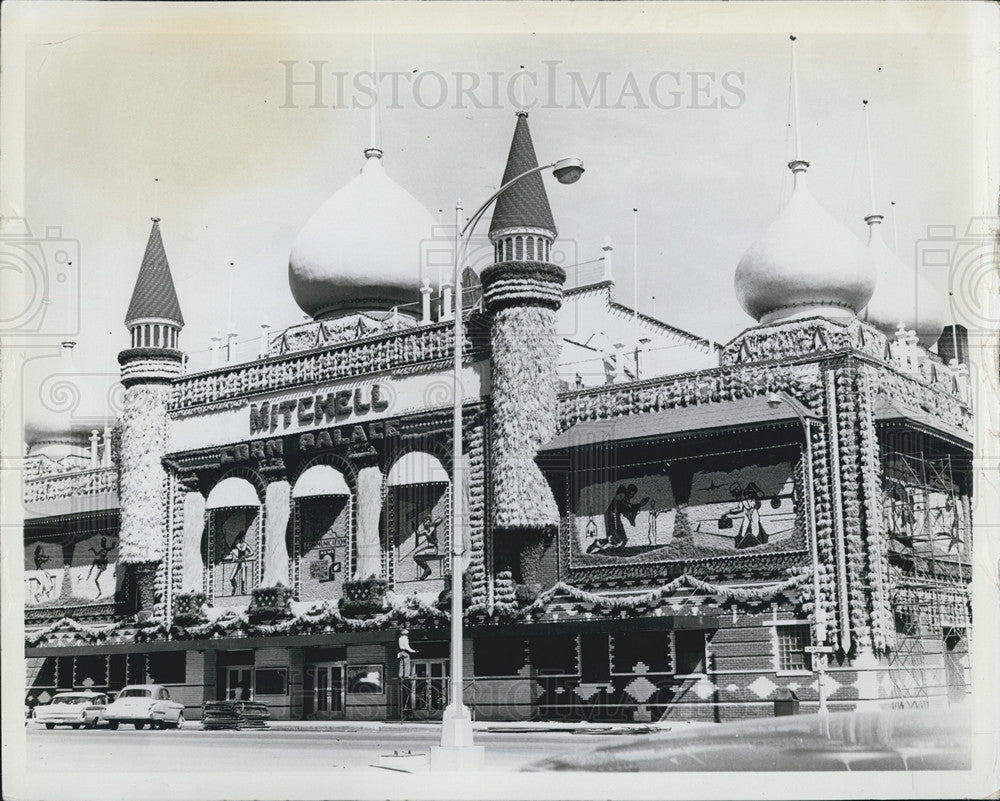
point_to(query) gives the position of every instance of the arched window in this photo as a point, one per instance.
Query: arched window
(417, 517)
(519, 248)
(530, 254)
(321, 542)
(234, 539)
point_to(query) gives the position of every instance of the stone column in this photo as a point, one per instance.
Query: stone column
(278, 505)
(192, 564)
(369, 510)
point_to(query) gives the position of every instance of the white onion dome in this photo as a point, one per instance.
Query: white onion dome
(902, 296)
(360, 251)
(805, 264)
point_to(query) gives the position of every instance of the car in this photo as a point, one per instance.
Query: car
(76, 709)
(866, 739)
(142, 704)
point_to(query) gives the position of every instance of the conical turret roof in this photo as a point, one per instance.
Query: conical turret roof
(525, 204)
(154, 295)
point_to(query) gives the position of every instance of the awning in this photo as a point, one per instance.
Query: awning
(232, 492)
(416, 467)
(318, 480)
(890, 410)
(679, 421)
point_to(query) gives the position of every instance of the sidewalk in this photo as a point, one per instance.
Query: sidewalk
(491, 726)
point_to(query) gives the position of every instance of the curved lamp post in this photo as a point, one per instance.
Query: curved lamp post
(456, 725)
(774, 400)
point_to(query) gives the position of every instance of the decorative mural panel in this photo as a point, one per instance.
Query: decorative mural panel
(684, 509)
(419, 528)
(236, 552)
(325, 546)
(80, 570)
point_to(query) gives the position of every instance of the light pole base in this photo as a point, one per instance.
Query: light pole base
(456, 726)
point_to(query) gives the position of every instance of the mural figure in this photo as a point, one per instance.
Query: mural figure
(330, 566)
(621, 506)
(240, 555)
(100, 562)
(751, 532)
(426, 542)
(653, 514)
(40, 557)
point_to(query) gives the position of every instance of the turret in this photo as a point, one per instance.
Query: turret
(154, 322)
(522, 292)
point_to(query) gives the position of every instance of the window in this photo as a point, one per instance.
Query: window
(167, 667)
(689, 652)
(554, 655)
(271, 681)
(792, 642)
(135, 692)
(498, 656)
(595, 658)
(365, 679)
(633, 649)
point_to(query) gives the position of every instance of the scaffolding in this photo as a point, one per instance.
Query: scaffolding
(927, 516)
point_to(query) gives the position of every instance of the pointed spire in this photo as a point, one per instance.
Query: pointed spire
(154, 296)
(525, 204)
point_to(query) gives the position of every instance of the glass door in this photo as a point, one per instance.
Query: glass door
(325, 687)
(239, 683)
(429, 687)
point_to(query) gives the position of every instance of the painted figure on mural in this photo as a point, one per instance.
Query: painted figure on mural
(426, 545)
(751, 532)
(622, 507)
(40, 557)
(239, 555)
(100, 562)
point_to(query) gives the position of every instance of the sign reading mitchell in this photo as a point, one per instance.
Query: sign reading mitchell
(267, 416)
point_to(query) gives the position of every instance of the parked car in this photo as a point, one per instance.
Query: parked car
(141, 704)
(76, 709)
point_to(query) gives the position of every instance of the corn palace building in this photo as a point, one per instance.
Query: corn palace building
(660, 527)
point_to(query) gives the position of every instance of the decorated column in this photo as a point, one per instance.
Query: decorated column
(522, 292)
(154, 321)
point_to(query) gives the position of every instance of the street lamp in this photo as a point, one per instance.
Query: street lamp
(821, 649)
(456, 724)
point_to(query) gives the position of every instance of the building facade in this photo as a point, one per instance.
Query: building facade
(659, 527)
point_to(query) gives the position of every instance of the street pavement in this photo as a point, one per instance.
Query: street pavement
(285, 747)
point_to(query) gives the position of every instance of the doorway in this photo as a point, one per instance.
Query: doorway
(239, 683)
(324, 690)
(428, 694)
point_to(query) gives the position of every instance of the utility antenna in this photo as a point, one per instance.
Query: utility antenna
(376, 116)
(871, 161)
(895, 240)
(156, 197)
(635, 262)
(520, 93)
(229, 313)
(795, 104)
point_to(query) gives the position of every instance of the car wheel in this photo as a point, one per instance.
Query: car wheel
(50, 726)
(75, 726)
(91, 725)
(180, 721)
(139, 726)
(113, 725)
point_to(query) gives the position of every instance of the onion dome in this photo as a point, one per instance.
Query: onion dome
(360, 251)
(805, 264)
(902, 296)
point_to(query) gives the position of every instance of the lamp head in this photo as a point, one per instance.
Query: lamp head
(774, 400)
(568, 170)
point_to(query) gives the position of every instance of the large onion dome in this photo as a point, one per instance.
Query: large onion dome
(360, 251)
(901, 296)
(805, 264)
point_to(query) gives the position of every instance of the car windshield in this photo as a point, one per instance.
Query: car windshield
(135, 692)
(70, 699)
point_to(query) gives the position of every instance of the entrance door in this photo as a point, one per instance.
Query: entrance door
(239, 683)
(325, 688)
(429, 687)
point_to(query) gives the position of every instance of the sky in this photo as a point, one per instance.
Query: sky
(692, 128)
